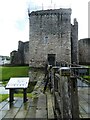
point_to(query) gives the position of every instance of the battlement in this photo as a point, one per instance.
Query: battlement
(51, 11)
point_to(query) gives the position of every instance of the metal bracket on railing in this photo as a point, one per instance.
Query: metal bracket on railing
(65, 71)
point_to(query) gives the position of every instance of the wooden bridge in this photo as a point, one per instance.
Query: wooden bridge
(65, 100)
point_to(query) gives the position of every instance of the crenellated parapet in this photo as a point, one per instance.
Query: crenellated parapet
(61, 11)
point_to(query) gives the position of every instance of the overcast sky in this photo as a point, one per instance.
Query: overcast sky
(14, 23)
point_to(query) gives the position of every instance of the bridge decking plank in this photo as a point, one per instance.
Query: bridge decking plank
(84, 102)
(50, 107)
(14, 109)
(31, 113)
(23, 110)
(2, 104)
(41, 110)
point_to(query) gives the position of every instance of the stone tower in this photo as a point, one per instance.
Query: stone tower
(21, 56)
(74, 42)
(50, 36)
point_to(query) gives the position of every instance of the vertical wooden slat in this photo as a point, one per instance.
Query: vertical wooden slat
(74, 97)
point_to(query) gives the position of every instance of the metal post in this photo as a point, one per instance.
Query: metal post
(11, 92)
(24, 95)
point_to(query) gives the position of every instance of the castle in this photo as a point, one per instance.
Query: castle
(52, 37)
(21, 56)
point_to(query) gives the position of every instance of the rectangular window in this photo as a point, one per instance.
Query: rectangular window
(45, 40)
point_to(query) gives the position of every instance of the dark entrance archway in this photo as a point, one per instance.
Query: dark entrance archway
(51, 59)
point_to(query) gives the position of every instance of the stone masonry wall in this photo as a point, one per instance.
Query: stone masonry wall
(50, 33)
(21, 56)
(26, 52)
(84, 51)
(74, 42)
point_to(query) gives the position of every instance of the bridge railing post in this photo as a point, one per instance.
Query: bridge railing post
(65, 93)
(55, 80)
(66, 103)
(55, 86)
(74, 97)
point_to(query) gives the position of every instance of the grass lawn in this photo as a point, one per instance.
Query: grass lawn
(86, 77)
(18, 71)
(5, 96)
(20, 92)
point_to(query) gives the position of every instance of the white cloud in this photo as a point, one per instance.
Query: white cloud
(12, 12)
(14, 23)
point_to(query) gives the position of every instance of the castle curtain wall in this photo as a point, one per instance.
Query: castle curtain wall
(84, 51)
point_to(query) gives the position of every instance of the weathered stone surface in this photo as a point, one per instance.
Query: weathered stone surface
(84, 51)
(74, 43)
(21, 56)
(50, 33)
